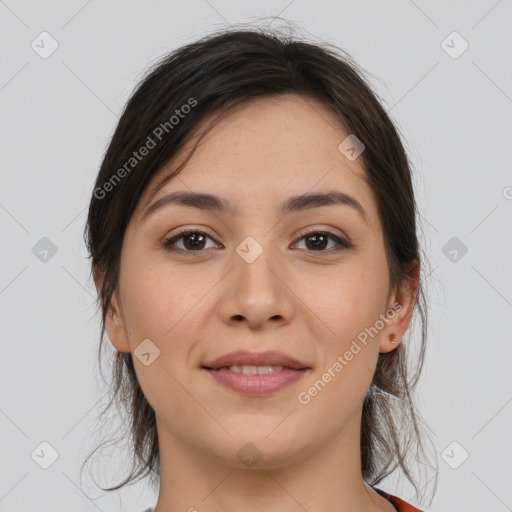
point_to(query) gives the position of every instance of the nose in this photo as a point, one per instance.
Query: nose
(257, 293)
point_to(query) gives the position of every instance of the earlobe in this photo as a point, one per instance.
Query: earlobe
(402, 305)
(389, 343)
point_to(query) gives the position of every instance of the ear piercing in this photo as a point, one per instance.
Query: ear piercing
(392, 337)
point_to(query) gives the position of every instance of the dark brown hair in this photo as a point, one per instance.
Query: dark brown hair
(210, 76)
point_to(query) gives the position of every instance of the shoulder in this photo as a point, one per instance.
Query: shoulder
(399, 504)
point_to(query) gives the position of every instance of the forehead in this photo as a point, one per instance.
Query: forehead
(263, 151)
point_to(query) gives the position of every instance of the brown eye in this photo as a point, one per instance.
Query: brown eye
(318, 241)
(193, 241)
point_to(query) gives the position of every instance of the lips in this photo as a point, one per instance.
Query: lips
(246, 358)
(269, 371)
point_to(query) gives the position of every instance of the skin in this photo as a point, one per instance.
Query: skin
(304, 302)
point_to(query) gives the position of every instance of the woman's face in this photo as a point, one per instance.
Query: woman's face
(250, 280)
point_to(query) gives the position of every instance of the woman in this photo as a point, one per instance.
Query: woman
(253, 242)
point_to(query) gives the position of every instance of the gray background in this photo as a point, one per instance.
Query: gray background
(57, 116)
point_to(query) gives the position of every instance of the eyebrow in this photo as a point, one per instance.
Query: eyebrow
(210, 202)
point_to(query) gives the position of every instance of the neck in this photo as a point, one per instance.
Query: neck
(326, 480)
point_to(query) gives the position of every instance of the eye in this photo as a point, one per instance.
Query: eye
(194, 241)
(320, 239)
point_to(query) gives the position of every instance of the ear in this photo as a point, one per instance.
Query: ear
(399, 310)
(114, 321)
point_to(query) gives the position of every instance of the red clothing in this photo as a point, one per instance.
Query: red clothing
(398, 503)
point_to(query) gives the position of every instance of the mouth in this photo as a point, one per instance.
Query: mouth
(256, 374)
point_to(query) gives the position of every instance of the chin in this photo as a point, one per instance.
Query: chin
(261, 450)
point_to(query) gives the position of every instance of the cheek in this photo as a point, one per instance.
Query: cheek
(346, 302)
(349, 304)
(164, 304)
(151, 300)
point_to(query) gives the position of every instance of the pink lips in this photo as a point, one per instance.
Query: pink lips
(244, 357)
(255, 385)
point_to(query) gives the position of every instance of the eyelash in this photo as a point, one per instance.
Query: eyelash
(167, 244)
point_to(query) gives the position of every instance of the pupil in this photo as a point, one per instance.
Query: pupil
(196, 243)
(316, 245)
